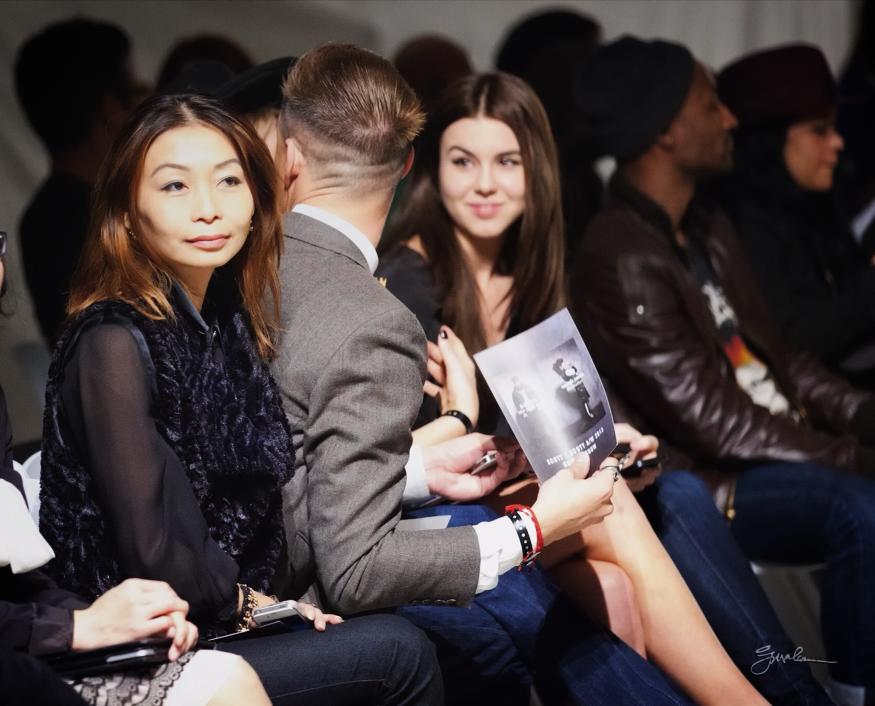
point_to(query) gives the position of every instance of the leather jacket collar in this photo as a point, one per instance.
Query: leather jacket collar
(694, 224)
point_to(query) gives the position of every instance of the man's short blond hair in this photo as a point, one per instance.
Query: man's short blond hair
(351, 112)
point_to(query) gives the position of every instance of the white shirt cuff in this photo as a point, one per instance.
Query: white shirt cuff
(416, 488)
(500, 549)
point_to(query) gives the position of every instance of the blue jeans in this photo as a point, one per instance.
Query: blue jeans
(524, 629)
(372, 659)
(699, 540)
(803, 513)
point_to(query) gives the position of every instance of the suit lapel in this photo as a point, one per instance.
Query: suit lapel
(320, 235)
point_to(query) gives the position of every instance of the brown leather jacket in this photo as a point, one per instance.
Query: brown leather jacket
(648, 326)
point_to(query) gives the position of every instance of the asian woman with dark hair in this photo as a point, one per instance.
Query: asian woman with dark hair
(38, 620)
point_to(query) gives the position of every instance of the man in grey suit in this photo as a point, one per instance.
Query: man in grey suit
(351, 367)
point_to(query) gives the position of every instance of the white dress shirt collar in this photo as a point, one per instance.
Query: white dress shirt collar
(359, 239)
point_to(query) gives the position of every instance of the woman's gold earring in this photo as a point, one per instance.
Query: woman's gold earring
(131, 234)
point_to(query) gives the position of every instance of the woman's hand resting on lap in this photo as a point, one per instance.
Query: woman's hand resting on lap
(133, 610)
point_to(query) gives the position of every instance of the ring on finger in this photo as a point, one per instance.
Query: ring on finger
(614, 468)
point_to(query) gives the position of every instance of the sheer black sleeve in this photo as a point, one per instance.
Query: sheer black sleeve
(155, 518)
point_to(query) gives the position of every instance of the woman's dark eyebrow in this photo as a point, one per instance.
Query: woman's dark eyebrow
(183, 168)
(170, 165)
(233, 160)
(471, 154)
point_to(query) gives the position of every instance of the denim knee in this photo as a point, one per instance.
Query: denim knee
(684, 486)
(413, 655)
(854, 503)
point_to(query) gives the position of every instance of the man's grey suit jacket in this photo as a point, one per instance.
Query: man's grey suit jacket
(350, 367)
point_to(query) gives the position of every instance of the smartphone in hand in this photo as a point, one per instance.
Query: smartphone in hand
(487, 462)
(277, 611)
(636, 468)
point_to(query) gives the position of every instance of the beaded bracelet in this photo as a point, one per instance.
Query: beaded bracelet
(248, 605)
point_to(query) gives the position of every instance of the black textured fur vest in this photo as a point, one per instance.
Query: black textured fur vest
(224, 421)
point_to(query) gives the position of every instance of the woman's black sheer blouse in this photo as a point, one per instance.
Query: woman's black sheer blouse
(107, 396)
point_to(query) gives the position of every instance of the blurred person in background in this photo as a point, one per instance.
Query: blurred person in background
(675, 319)
(819, 284)
(855, 173)
(544, 49)
(429, 63)
(76, 85)
(222, 55)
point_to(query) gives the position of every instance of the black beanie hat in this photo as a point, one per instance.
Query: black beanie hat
(258, 87)
(629, 92)
(778, 87)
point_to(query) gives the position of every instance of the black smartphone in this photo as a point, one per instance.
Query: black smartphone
(636, 468)
(115, 658)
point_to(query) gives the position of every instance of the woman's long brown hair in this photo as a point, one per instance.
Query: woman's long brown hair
(116, 265)
(533, 249)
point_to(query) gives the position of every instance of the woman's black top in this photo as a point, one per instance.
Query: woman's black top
(35, 615)
(409, 278)
(177, 494)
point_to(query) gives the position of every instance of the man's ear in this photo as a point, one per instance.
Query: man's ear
(668, 138)
(408, 163)
(295, 161)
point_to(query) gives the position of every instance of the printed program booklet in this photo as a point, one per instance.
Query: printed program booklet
(551, 395)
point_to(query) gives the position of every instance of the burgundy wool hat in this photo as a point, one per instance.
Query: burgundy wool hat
(778, 86)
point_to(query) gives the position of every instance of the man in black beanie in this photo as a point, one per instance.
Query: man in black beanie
(673, 316)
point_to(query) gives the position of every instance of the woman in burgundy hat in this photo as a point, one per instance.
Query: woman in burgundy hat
(815, 276)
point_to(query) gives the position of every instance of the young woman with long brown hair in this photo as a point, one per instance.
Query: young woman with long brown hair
(478, 256)
(165, 445)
